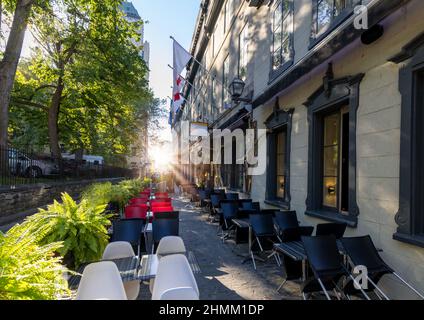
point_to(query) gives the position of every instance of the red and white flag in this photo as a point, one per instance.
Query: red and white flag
(181, 59)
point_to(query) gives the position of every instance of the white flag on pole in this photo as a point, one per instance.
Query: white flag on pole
(181, 59)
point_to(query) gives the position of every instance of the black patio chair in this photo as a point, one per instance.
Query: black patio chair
(164, 226)
(327, 229)
(232, 196)
(229, 209)
(251, 206)
(129, 230)
(362, 252)
(273, 212)
(245, 202)
(216, 199)
(204, 196)
(327, 266)
(286, 220)
(293, 269)
(265, 234)
(167, 215)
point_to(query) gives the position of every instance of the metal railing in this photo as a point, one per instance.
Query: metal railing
(22, 167)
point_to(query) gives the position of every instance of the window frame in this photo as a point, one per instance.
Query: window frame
(327, 99)
(276, 72)
(318, 35)
(243, 51)
(410, 219)
(278, 121)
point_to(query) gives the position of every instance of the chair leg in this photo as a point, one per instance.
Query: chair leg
(324, 289)
(305, 297)
(259, 243)
(359, 286)
(408, 285)
(281, 286)
(380, 292)
(253, 260)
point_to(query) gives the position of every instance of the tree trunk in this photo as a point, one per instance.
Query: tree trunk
(54, 119)
(9, 64)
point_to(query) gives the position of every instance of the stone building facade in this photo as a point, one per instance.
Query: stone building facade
(341, 106)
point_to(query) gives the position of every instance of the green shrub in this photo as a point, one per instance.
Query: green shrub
(29, 271)
(98, 194)
(81, 227)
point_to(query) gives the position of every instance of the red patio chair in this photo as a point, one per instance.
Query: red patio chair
(162, 209)
(138, 201)
(161, 195)
(160, 204)
(167, 200)
(136, 212)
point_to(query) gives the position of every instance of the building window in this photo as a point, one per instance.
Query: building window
(332, 117)
(225, 83)
(410, 218)
(243, 52)
(279, 126)
(329, 13)
(282, 30)
(280, 169)
(336, 160)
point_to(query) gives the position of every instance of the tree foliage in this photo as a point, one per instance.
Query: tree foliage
(85, 81)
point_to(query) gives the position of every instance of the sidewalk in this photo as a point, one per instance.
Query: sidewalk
(223, 276)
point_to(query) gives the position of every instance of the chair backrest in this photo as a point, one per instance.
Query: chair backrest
(229, 209)
(162, 209)
(286, 220)
(128, 230)
(175, 280)
(160, 195)
(118, 250)
(245, 203)
(160, 203)
(136, 212)
(167, 215)
(171, 245)
(323, 254)
(295, 234)
(269, 211)
(336, 229)
(262, 224)
(165, 228)
(101, 281)
(363, 252)
(138, 201)
(232, 196)
(203, 194)
(245, 214)
(216, 199)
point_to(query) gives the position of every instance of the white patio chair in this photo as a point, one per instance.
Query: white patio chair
(120, 250)
(170, 245)
(101, 281)
(175, 280)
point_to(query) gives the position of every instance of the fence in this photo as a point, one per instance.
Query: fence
(18, 167)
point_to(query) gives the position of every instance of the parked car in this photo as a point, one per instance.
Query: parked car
(22, 165)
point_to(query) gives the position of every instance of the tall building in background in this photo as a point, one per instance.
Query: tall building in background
(139, 158)
(132, 15)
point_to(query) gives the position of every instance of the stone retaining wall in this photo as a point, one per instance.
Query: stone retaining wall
(28, 197)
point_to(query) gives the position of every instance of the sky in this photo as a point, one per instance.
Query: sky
(166, 18)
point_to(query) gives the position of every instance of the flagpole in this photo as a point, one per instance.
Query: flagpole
(185, 79)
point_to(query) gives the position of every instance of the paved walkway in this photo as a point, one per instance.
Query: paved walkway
(223, 277)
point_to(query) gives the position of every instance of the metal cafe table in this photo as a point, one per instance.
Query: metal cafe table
(135, 269)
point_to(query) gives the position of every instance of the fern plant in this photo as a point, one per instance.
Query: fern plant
(29, 271)
(81, 227)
